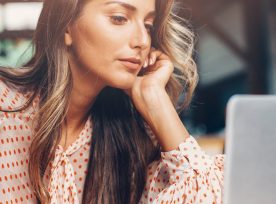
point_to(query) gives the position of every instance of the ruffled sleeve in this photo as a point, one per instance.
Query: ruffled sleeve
(185, 175)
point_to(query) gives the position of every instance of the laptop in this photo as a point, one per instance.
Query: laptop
(250, 165)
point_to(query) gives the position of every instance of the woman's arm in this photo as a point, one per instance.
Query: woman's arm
(163, 119)
(152, 101)
(184, 174)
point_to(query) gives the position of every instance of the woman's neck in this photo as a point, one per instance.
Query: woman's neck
(86, 88)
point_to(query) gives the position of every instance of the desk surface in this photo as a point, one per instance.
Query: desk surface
(212, 144)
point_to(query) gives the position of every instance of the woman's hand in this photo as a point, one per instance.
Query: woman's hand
(157, 69)
(149, 88)
(153, 103)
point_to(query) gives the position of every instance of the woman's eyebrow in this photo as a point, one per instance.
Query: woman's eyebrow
(130, 7)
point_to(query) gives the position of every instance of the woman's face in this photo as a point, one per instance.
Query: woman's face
(111, 40)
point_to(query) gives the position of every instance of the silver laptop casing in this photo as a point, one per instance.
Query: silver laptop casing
(250, 167)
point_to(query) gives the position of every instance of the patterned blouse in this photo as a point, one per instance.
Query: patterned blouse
(183, 175)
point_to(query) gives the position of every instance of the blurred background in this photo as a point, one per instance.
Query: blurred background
(235, 52)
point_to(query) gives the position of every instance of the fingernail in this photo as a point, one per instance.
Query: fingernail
(145, 64)
(151, 61)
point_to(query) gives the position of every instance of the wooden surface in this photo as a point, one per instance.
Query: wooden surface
(212, 145)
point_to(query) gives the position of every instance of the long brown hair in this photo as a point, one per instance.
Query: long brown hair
(121, 148)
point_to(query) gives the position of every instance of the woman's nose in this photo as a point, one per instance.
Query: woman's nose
(140, 37)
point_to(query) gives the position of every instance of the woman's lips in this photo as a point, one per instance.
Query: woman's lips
(130, 65)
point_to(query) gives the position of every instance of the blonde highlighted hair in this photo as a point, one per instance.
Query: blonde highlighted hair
(48, 76)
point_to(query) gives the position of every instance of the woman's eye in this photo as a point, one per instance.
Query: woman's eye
(118, 20)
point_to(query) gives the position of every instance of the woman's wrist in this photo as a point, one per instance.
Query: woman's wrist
(163, 119)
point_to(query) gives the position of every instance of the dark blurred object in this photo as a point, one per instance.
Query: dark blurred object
(3, 51)
(16, 34)
(233, 55)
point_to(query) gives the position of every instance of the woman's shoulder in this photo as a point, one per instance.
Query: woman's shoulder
(11, 96)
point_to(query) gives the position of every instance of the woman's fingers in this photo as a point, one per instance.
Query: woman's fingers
(148, 60)
(152, 58)
(157, 55)
(145, 63)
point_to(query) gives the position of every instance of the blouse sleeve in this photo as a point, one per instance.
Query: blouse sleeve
(185, 175)
(12, 99)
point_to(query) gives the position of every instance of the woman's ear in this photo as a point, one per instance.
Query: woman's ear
(68, 38)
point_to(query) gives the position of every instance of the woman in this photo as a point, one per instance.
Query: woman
(93, 117)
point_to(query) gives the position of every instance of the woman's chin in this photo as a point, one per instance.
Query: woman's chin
(121, 79)
(123, 84)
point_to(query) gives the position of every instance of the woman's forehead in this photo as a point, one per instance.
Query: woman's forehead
(132, 4)
(144, 8)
